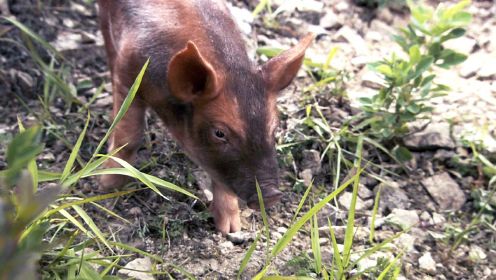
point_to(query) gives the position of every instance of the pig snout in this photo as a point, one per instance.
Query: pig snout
(270, 194)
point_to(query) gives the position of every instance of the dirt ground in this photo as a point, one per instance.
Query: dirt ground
(181, 230)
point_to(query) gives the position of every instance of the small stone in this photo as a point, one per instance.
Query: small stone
(330, 20)
(135, 211)
(427, 263)
(434, 136)
(226, 247)
(243, 18)
(356, 41)
(445, 191)
(373, 36)
(464, 45)
(307, 176)
(476, 253)
(342, 6)
(143, 264)
(364, 192)
(359, 233)
(438, 219)
(281, 230)
(345, 201)
(403, 218)
(372, 80)
(26, 82)
(473, 63)
(425, 216)
(392, 196)
(240, 237)
(406, 242)
(488, 69)
(311, 160)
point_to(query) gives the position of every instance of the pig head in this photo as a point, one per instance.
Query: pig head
(215, 102)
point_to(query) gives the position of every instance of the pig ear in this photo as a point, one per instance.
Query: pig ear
(279, 71)
(190, 77)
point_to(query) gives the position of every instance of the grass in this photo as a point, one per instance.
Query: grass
(47, 222)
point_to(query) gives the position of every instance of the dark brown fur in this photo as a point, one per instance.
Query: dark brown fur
(216, 103)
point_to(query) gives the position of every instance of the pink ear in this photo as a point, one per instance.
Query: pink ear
(279, 71)
(190, 76)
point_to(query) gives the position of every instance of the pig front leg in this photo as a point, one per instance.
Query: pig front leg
(128, 132)
(225, 209)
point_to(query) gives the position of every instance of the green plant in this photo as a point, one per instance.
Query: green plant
(410, 82)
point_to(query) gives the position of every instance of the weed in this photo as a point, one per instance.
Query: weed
(410, 82)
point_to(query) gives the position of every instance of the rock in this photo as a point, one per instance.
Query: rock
(359, 233)
(240, 237)
(372, 80)
(434, 136)
(445, 191)
(405, 242)
(476, 253)
(356, 41)
(360, 61)
(464, 45)
(488, 69)
(345, 200)
(392, 196)
(373, 36)
(342, 6)
(311, 160)
(330, 20)
(226, 247)
(438, 219)
(427, 263)
(204, 183)
(143, 264)
(473, 63)
(307, 176)
(364, 192)
(403, 218)
(385, 15)
(426, 217)
(67, 41)
(25, 81)
(243, 18)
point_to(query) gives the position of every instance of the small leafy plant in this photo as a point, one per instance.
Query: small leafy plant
(409, 80)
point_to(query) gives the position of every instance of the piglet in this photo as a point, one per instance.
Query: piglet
(216, 103)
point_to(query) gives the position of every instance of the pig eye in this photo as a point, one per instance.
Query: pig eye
(219, 134)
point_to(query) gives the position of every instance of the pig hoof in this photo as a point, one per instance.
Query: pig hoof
(227, 222)
(112, 181)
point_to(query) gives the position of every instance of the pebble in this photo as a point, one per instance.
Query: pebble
(445, 191)
(403, 218)
(240, 237)
(427, 263)
(345, 201)
(434, 136)
(144, 264)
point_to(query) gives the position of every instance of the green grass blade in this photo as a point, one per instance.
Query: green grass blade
(33, 35)
(75, 222)
(74, 152)
(125, 106)
(109, 267)
(136, 250)
(337, 255)
(374, 214)
(91, 224)
(155, 180)
(247, 256)
(349, 234)
(388, 267)
(291, 232)
(314, 234)
(51, 212)
(302, 201)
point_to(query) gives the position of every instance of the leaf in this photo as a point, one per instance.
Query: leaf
(75, 151)
(453, 34)
(21, 151)
(423, 65)
(450, 58)
(415, 55)
(413, 108)
(125, 106)
(402, 154)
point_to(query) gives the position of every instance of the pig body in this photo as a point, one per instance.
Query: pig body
(215, 102)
